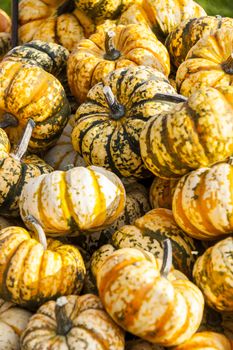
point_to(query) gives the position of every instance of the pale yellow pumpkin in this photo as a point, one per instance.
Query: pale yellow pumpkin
(208, 341)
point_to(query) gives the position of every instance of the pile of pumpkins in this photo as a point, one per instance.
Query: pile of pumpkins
(116, 177)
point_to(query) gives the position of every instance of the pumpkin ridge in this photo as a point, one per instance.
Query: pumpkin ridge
(104, 345)
(114, 169)
(134, 144)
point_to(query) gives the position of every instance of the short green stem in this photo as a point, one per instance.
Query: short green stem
(167, 258)
(8, 119)
(24, 142)
(117, 110)
(35, 227)
(64, 324)
(112, 53)
(227, 66)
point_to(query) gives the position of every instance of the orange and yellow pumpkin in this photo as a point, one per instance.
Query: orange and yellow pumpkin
(207, 340)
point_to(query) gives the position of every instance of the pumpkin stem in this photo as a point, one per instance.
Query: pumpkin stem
(35, 226)
(64, 324)
(117, 110)
(8, 120)
(227, 66)
(167, 258)
(176, 98)
(23, 145)
(112, 53)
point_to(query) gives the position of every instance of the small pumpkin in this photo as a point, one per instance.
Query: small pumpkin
(191, 135)
(213, 274)
(107, 50)
(32, 271)
(74, 322)
(207, 340)
(5, 22)
(109, 123)
(152, 303)
(5, 36)
(81, 198)
(208, 63)
(54, 22)
(13, 321)
(187, 34)
(161, 193)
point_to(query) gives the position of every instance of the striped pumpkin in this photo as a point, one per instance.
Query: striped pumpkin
(207, 340)
(213, 274)
(202, 202)
(192, 135)
(109, 123)
(81, 198)
(5, 36)
(187, 34)
(161, 193)
(109, 49)
(54, 21)
(208, 63)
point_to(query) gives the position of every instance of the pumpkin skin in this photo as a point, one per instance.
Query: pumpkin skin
(110, 138)
(107, 50)
(5, 22)
(208, 63)
(202, 204)
(82, 323)
(54, 21)
(207, 340)
(161, 193)
(192, 135)
(31, 274)
(212, 273)
(131, 287)
(13, 321)
(5, 36)
(184, 37)
(80, 198)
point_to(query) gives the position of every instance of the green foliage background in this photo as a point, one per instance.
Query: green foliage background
(212, 7)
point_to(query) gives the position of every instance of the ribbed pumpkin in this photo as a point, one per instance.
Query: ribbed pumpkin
(187, 34)
(161, 193)
(5, 37)
(5, 22)
(32, 271)
(81, 198)
(109, 123)
(107, 50)
(208, 63)
(213, 274)
(207, 340)
(63, 154)
(192, 135)
(156, 305)
(72, 322)
(142, 345)
(16, 171)
(13, 321)
(202, 202)
(217, 322)
(56, 21)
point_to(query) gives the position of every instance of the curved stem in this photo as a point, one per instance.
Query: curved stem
(23, 145)
(64, 324)
(176, 98)
(117, 110)
(167, 258)
(15, 24)
(35, 226)
(112, 53)
(8, 120)
(227, 66)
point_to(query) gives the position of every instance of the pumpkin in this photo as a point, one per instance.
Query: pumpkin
(5, 22)
(202, 203)
(32, 271)
(56, 21)
(187, 34)
(63, 154)
(217, 322)
(191, 135)
(16, 170)
(208, 63)
(109, 123)
(5, 36)
(141, 345)
(13, 321)
(213, 274)
(207, 340)
(80, 198)
(74, 322)
(107, 50)
(161, 193)
(146, 300)
(162, 16)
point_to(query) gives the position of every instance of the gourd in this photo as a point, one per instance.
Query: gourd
(13, 321)
(109, 49)
(207, 340)
(32, 271)
(16, 170)
(74, 322)
(145, 298)
(109, 123)
(202, 204)
(56, 21)
(191, 135)
(187, 34)
(213, 274)
(208, 63)
(5, 37)
(161, 193)
(81, 198)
